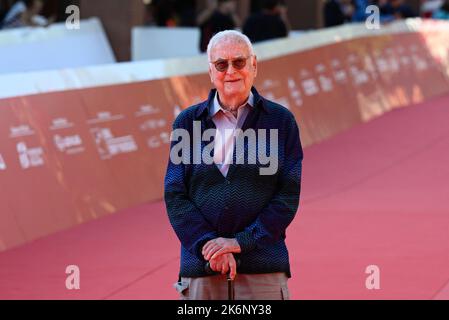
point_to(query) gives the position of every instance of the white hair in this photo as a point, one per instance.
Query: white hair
(230, 36)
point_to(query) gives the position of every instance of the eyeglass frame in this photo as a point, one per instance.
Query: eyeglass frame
(232, 62)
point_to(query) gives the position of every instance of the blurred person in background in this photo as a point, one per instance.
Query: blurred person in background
(171, 13)
(359, 8)
(219, 15)
(26, 13)
(13, 10)
(163, 13)
(443, 12)
(398, 9)
(186, 13)
(390, 10)
(337, 12)
(348, 8)
(385, 10)
(270, 23)
(429, 7)
(3, 12)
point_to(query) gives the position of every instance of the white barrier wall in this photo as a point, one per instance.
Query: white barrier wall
(77, 78)
(56, 47)
(155, 43)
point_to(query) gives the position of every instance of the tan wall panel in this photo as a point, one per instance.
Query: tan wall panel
(78, 155)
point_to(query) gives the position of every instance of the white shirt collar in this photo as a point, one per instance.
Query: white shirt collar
(217, 107)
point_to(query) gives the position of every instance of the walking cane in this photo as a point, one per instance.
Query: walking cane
(231, 292)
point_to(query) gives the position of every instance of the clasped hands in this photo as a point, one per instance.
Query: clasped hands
(219, 253)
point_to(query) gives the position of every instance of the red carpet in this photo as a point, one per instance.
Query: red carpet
(377, 194)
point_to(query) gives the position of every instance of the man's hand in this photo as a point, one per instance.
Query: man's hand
(224, 263)
(218, 246)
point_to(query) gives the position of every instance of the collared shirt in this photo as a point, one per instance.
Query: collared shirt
(226, 124)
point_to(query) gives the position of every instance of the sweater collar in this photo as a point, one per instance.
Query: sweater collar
(208, 105)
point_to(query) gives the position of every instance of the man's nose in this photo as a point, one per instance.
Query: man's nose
(230, 69)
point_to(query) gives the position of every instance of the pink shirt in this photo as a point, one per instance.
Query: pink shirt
(226, 124)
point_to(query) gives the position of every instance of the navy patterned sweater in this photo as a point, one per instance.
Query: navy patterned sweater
(255, 209)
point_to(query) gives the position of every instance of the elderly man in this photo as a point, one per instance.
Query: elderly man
(228, 214)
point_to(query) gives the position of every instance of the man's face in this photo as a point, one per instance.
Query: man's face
(232, 83)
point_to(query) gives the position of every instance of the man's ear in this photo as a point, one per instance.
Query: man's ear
(255, 65)
(210, 74)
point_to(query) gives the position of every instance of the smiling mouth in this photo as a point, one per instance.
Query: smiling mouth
(233, 80)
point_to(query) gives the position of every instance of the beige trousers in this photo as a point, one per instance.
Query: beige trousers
(268, 286)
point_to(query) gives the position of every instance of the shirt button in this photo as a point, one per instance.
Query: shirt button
(228, 182)
(226, 207)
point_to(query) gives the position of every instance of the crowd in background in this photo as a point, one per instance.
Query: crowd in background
(337, 12)
(442, 12)
(24, 13)
(267, 18)
(269, 22)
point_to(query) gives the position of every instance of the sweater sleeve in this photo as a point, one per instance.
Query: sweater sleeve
(273, 220)
(186, 219)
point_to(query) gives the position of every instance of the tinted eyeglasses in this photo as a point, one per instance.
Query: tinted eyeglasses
(222, 65)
